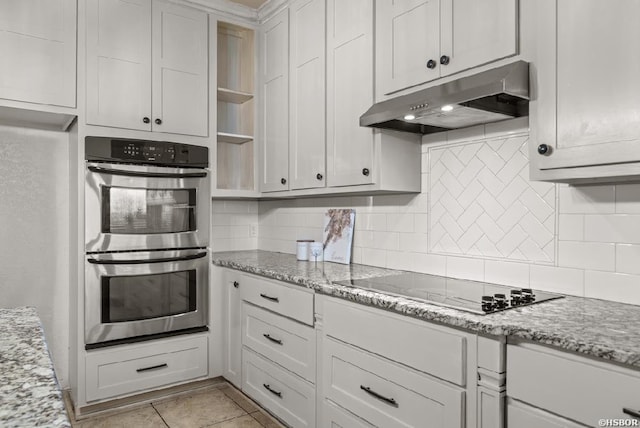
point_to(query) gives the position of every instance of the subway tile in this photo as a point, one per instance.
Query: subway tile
(371, 221)
(465, 134)
(619, 228)
(414, 242)
(421, 223)
(571, 227)
(587, 199)
(431, 263)
(507, 127)
(221, 219)
(400, 222)
(613, 286)
(401, 260)
(466, 268)
(374, 257)
(557, 279)
(386, 240)
(628, 198)
(425, 162)
(587, 255)
(628, 258)
(508, 273)
(429, 140)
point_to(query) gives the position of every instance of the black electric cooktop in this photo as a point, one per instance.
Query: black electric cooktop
(472, 296)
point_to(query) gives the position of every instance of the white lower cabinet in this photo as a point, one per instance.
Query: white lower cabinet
(520, 415)
(568, 385)
(284, 394)
(336, 417)
(393, 371)
(286, 342)
(130, 369)
(387, 394)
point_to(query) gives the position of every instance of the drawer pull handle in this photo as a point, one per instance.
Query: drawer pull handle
(146, 369)
(273, 299)
(278, 341)
(268, 388)
(631, 412)
(389, 401)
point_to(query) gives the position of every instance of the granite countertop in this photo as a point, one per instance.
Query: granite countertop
(29, 392)
(599, 328)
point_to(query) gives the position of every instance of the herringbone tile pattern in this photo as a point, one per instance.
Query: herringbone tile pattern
(482, 204)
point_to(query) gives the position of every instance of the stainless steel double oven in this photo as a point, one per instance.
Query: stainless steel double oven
(147, 209)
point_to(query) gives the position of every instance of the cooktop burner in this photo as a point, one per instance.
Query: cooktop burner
(472, 296)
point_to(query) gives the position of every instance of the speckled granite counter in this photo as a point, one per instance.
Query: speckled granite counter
(29, 392)
(598, 328)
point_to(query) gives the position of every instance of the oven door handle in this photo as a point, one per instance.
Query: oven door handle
(149, 261)
(125, 173)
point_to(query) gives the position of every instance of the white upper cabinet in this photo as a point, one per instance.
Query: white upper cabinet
(584, 120)
(350, 147)
(307, 94)
(38, 45)
(421, 40)
(147, 66)
(179, 69)
(274, 103)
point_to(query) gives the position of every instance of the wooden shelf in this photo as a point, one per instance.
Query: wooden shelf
(231, 96)
(225, 137)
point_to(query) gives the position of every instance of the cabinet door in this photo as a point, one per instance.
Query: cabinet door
(589, 100)
(232, 328)
(349, 92)
(119, 63)
(274, 105)
(407, 38)
(180, 58)
(307, 102)
(38, 45)
(475, 32)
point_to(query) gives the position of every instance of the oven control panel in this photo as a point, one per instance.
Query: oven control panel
(162, 153)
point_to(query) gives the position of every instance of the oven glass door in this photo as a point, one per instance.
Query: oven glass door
(129, 295)
(131, 207)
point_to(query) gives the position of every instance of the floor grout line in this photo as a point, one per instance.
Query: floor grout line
(159, 414)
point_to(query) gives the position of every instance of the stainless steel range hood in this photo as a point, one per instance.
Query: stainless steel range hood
(489, 96)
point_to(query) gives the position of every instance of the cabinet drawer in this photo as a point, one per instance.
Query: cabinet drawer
(286, 342)
(287, 301)
(520, 415)
(570, 385)
(431, 349)
(126, 370)
(386, 394)
(336, 417)
(283, 394)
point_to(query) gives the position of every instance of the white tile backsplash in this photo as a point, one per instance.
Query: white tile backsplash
(493, 225)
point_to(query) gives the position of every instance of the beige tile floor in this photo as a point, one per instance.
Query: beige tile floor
(220, 406)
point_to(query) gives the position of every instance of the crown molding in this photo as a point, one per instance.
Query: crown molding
(270, 8)
(224, 8)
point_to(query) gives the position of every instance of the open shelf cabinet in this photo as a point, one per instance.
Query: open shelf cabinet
(235, 152)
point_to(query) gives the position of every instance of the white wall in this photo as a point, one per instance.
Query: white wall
(34, 231)
(484, 220)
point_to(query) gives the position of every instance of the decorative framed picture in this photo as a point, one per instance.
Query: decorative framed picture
(338, 235)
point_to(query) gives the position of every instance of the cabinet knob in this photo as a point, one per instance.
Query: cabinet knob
(444, 60)
(319, 176)
(283, 180)
(236, 284)
(146, 120)
(544, 149)
(431, 64)
(365, 171)
(158, 121)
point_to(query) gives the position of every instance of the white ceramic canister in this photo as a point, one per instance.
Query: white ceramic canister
(316, 252)
(302, 249)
